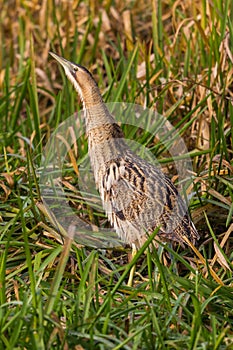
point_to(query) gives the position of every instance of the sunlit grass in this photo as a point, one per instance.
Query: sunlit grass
(175, 58)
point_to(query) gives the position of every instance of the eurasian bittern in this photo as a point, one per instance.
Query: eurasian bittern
(136, 195)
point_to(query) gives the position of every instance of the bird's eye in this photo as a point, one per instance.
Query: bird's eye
(75, 69)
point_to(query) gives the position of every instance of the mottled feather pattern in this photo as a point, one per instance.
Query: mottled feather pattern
(136, 195)
(136, 192)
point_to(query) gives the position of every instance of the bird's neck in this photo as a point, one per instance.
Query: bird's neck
(105, 136)
(97, 115)
(101, 127)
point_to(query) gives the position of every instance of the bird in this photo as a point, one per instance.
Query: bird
(136, 195)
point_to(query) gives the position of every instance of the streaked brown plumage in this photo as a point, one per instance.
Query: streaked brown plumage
(136, 195)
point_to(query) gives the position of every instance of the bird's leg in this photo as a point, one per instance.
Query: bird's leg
(173, 260)
(133, 268)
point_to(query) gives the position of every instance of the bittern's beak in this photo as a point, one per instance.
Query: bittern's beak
(71, 69)
(77, 74)
(65, 64)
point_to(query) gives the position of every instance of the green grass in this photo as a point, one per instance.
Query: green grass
(55, 294)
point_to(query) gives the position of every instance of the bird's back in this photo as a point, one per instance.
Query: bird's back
(136, 195)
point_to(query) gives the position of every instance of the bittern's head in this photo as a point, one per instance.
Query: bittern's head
(79, 76)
